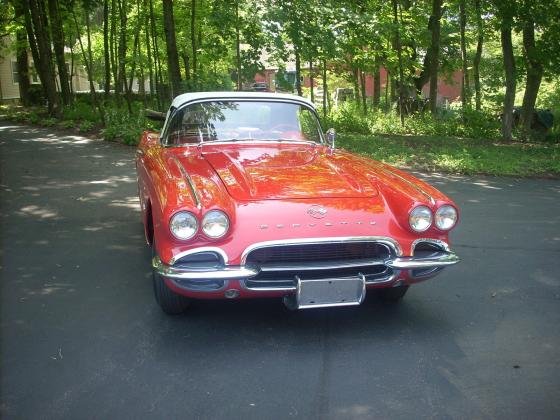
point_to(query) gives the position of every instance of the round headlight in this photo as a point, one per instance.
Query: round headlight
(420, 218)
(446, 217)
(215, 224)
(183, 225)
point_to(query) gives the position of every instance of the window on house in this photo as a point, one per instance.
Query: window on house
(15, 74)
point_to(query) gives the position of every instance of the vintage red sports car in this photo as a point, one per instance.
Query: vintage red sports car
(244, 196)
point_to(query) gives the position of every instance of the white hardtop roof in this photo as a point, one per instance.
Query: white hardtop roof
(195, 96)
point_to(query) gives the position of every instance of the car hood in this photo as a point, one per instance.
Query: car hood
(287, 171)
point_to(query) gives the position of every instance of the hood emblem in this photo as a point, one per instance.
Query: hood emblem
(317, 212)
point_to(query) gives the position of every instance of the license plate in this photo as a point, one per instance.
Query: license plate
(330, 292)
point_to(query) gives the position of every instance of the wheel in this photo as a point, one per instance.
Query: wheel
(392, 294)
(170, 302)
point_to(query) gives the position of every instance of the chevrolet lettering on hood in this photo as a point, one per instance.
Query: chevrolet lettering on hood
(244, 196)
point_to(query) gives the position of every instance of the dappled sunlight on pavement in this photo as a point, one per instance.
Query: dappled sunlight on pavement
(81, 332)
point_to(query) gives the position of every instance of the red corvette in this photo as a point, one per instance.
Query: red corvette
(244, 196)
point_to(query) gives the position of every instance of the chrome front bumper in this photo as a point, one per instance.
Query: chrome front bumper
(436, 261)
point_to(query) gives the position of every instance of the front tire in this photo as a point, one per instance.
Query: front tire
(392, 294)
(170, 302)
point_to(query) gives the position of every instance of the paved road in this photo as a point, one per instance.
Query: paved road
(81, 335)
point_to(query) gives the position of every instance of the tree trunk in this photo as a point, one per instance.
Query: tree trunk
(509, 67)
(113, 44)
(465, 89)
(376, 87)
(58, 46)
(157, 63)
(135, 53)
(171, 46)
(298, 71)
(186, 63)
(387, 84)
(325, 90)
(106, 53)
(22, 67)
(478, 55)
(149, 56)
(193, 42)
(38, 34)
(72, 66)
(311, 81)
(237, 47)
(363, 90)
(121, 75)
(399, 55)
(356, 82)
(534, 74)
(434, 62)
(88, 62)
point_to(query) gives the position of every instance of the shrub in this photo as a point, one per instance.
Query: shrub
(48, 122)
(82, 111)
(119, 125)
(349, 118)
(67, 124)
(85, 126)
(33, 117)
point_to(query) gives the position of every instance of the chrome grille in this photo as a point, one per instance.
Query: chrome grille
(320, 252)
(280, 264)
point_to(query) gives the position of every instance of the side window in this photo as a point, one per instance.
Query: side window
(186, 127)
(174, 129)
(308, 125)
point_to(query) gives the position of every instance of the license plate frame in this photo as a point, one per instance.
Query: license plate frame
(323, 293)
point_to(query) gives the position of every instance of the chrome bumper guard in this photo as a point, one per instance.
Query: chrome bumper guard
(436, 260)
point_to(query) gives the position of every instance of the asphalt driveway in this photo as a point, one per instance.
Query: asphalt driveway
(82, 337)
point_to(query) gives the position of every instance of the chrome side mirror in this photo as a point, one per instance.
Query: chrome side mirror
(331, 135)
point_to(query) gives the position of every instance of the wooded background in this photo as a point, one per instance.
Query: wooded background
(503, 48)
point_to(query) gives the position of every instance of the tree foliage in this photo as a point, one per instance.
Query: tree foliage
(160, 48)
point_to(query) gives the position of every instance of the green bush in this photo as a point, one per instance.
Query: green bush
(67, 124)
(349, 118)
(121, 126)
(85, 126)
(81, 111)
(48, 122)
(34, 117)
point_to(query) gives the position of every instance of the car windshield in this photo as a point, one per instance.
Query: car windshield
(243, 121)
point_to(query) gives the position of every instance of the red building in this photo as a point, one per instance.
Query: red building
(449, 88)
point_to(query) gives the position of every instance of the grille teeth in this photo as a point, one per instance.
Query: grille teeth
(292, 254)
(332, 255)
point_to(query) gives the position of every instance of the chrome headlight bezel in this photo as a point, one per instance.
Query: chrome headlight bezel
(215, 224)
(420, 218)
(444, 215)
(183, 220)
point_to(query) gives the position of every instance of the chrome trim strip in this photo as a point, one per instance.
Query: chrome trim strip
(267, 289)
(443, 245)
(382, 280)
(224, 273)
(408, 263)
(180, 255)
(386, 279)
(311, 241)
(327, 266)
(190, 183)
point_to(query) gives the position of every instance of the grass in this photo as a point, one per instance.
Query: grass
(458, 155)
(424, 152)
